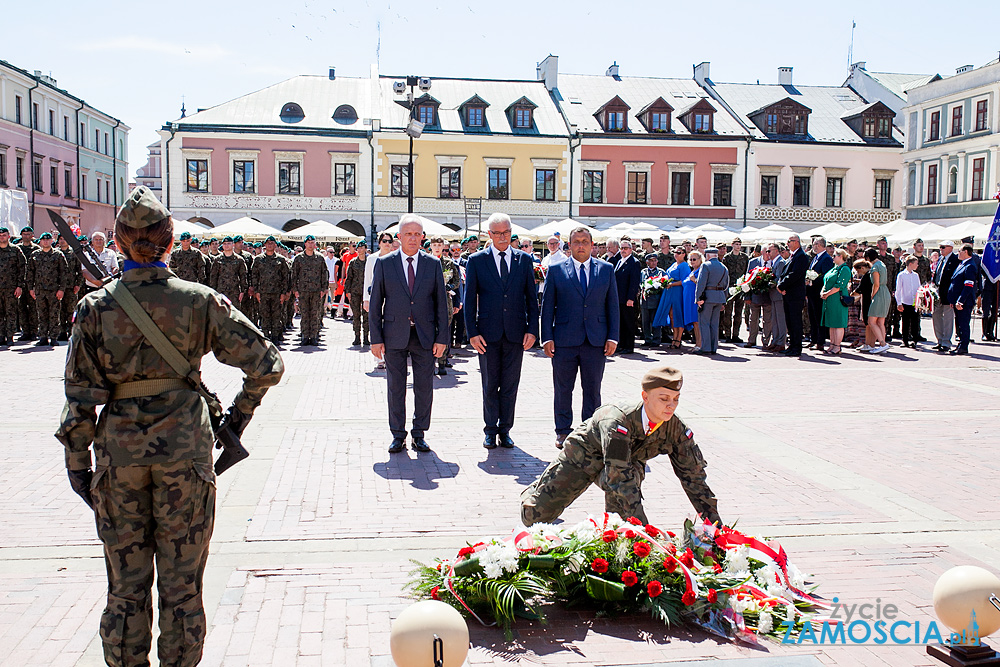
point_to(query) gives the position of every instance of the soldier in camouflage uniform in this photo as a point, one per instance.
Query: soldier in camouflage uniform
(205, 247)
(188, 263)
(229, 273)
(12, 270)
(310, 281)
(47, 277)
(452, 277)
(73, 288)
(611, 450)
(354, 286)
(249, 304)
(732, 313)
(289, 311)
(27, 311)
(270, 284)
(153, 489)
(923, 263)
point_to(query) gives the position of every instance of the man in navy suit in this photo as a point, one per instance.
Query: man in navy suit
(792, 286)
(501, 316)
(579, 327)
(408, 318)
(627, 275)
(821, 263)
(962, 295)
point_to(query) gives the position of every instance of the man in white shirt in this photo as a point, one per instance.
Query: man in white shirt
(107, 257)
(330, 257)
(556, 255)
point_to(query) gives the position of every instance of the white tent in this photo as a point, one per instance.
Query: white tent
(828, 231)
(245, 227)
(515, 230)
(979, 230)
(929, 232)
(193, 228)
(563, 228)
(861, 231)
(431, 229)
(769, 233)
(322, 230)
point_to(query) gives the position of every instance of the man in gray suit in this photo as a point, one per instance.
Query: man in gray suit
(711, 292)
(759, 307)
(408, 318)
(779, 331)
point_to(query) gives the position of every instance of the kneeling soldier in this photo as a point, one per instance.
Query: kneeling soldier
(611, 450)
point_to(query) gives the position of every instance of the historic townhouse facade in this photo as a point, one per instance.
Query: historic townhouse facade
(818, 153)
(952, 158)
(649, 149)
(64, 154)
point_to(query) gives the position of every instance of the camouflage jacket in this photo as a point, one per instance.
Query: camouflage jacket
(354, 283)
(737, 264)
(107, 349)
(209, 260)
(188, 265)
(248, 259)
(12, 268)
(924, 270)
(229, 274)
(27, 248)
(75, 269)
(270, 274)
(47, 271)
(451, 276)
(891, 269)
(625, 455)
(309, 273)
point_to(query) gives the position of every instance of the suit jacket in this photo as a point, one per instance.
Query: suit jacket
(495, 308)
(627, 276)
(757, 299)
(794, 279)
(713, 282)
(962, 288)
(821, 263)
(392, 307)
(779, 267)
(569, 319)
(944, 282)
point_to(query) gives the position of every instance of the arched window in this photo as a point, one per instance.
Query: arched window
(291, 113)
(953, 181)
(345, 115)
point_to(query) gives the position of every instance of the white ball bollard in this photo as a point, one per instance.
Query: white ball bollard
(963, 590)
(428, 631)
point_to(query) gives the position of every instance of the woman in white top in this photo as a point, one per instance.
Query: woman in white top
(907, 284)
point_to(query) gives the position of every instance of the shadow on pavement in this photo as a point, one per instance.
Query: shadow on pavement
(423, 471)
(516, 462)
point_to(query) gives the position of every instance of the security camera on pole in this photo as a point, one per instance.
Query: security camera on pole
(414, 128)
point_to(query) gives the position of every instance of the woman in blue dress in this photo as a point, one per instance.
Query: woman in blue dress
(695, 260)
(671, 309)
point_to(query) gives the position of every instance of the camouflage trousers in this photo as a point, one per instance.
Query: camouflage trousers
(47, 306)
(66, 308)
(163, 513)
(565, 480)
(28, 314)
(249, 307)
(8, 313)
(310, 310)
(360, 316)
(272, 315)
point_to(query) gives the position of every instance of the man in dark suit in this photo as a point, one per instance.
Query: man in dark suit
(792, 286)
(962, 295)
(943, 315)
(501, 315)
(627, 273)
(580, 322)
(821, 263)
(408, 318)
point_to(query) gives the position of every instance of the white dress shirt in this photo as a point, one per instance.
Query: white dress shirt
(907, 284)
(508, 254)
(403, 257)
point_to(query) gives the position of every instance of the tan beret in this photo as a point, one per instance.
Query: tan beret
(142, 209)
(664, 376)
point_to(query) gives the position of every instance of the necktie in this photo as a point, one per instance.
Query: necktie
(583, 278)
(411, 275)
(503, 266)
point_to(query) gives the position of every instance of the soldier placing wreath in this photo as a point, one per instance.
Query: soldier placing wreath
(611, 450)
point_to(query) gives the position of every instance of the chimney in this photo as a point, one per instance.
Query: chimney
(785, 76)
(333, 74)
(963, 69)
(859, 65)
(548, 71)
(701, 74)
(613, 70)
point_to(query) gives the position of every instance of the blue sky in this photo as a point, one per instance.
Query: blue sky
(135, 60)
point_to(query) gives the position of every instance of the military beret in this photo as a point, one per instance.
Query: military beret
(513, 237)
(664, 376)
(46, 235)
(27, 229)
(82, 238)
(880, 239)
(257, 244)
(969, 239)
(185, 236)
(195, 240)
(310, 238)
(270, 239)
(737, 240)
(142, 209)
(237, 239)
(854, 241)
(362, 243)
(651, 255)
(213, 240)
(228, 239)
(4, 230)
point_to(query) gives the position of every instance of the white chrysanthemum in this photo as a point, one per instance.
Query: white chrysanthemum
(795, 577)
(765, 575)
(739, 606)
(790, 613)
(766, 623)
(738, 560)
(498, 558)
(584, 530)
(739, 574)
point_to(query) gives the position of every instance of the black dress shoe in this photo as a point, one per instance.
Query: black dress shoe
(25, 338)
(441, 371)
(63, 337)
(490, 441)
(420, 445)
(356, 343)
(792, 353)
(42, 342)
(505, 441)
(398, 445)
(958, 351)
(735, 339)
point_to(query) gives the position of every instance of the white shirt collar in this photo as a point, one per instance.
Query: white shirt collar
(577, 265)
(645, 419)
(403, 257)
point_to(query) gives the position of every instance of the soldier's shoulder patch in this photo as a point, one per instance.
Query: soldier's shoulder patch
(225, 300)
(969, 283)
(621, 429)
(688, 433)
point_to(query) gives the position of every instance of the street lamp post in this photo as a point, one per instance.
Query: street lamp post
(414, 127)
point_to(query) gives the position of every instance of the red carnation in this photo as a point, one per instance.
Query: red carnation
(717, 568)
(635, 522)
(654, 588)
(672, 549)
(712, 597)
(630, 534)
(670, 565)
(671, 534)
(687, 558)
(688, 598)
(600, 566)
(609, 536)
(630, 578)
(652, 531)
(466, 551)
(434, 593)
(641, 549)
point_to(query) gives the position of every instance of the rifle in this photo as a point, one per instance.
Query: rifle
(226, 437)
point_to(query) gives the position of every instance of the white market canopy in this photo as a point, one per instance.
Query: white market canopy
(193, 228)
(563, 228)
(431, 229)
(860, 231)
(322, 230)
(828, 231)
(769, 233)
(245, 227)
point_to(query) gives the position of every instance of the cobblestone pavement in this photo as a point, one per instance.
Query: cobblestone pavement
(875, 473)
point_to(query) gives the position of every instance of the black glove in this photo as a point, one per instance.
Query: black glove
(236, 420)
(80, 481)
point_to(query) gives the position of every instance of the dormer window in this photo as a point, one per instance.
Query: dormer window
(702, 122)
(522, 117)
(614, 121)
(473, 112)
(659, 121)
(520, 114)
(699, 118)
(474, 116)
(291, 113)
(786, 117)
(612, 116)
(873, 122)
(426, 114)
(424, 109)
(655, 117)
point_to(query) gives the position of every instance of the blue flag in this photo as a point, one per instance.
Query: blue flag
(991, 256)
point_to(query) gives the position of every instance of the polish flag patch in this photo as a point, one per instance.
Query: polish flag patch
(689, 434)
(622, 430)
(969, 283)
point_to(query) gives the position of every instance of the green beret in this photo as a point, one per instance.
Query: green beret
(213, 240)
(362, 244)
(228, 239)
(237, 239)
(195, 240)
(82, 238)
(310, 238)
(27, 229)
(4, 230)
(46, 235)
(185, 236)
(269, 239)
(142, 209)
(664, 376)
(257, 244)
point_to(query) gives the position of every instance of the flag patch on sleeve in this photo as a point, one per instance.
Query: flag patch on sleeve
(969, 283)
(622, 430)
(689, 434)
